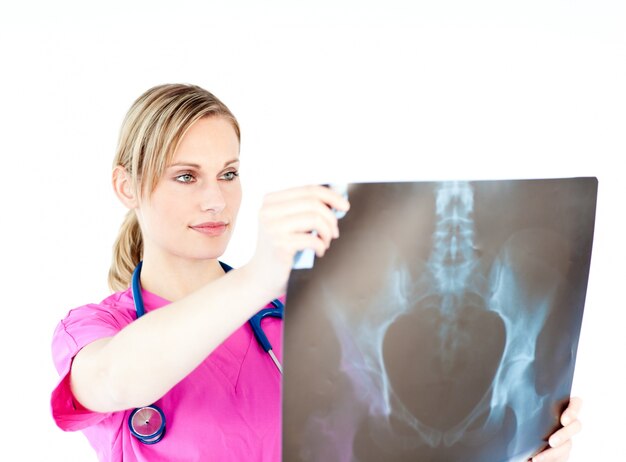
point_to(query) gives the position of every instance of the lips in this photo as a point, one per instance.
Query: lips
(210, 228)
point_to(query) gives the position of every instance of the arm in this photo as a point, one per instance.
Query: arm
(149, 356)
(561, 441)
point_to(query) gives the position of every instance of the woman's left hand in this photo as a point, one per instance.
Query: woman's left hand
(561, 441)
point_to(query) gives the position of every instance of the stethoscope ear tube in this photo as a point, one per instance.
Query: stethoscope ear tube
(147, 424)
(136, 288)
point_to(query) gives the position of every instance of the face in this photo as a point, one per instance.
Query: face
(191, 214)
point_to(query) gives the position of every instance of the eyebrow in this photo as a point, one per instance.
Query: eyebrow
(198, 166)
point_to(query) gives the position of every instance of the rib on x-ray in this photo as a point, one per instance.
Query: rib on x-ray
(442, 325)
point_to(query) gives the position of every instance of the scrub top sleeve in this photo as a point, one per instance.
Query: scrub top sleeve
(81, 327)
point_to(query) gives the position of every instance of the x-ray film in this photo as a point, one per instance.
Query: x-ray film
(442, 325)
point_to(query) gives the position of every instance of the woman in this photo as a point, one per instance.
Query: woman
(192, 354)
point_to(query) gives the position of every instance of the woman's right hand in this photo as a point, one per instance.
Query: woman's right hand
(286, 220)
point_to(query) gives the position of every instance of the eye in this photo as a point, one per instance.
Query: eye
(230, 176)
(185, 178)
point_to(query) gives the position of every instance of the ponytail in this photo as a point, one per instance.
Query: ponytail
(127, 253)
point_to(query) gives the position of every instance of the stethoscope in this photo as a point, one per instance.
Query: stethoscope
(147, 423)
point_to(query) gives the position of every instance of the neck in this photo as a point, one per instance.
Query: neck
(173, 278)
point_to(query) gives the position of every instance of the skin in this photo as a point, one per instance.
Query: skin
(144, 360)
(200, 185)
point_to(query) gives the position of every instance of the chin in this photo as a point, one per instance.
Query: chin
(206, 254)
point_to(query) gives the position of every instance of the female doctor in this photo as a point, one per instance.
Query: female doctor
(191, 361)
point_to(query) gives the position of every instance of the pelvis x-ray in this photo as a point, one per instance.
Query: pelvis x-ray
(442, 325)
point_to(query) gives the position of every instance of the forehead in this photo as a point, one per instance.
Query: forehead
(209, 140)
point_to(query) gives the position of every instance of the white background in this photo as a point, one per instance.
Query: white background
(324, 91)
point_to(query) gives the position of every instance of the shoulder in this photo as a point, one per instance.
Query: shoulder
(116, 309)
(87, 323)
(80, 327)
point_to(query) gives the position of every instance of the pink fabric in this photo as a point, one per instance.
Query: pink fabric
(227, 409)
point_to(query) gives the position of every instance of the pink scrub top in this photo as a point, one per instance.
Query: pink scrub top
(227, 409)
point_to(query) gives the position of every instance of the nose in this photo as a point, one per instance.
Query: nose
(212, 199)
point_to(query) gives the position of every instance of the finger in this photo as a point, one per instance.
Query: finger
(331, 198)
(307, 222)
(307, 241)
(301, 216)
(573, 410)
(565, 434)
(283, 210)
(560, 454)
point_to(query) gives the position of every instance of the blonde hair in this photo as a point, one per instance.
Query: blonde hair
(150, 133)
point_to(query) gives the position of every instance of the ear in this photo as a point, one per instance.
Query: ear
(123, 188)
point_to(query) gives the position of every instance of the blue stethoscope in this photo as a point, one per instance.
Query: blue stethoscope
(147, 423)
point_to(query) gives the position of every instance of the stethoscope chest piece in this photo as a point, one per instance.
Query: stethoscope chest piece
(147, 424)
